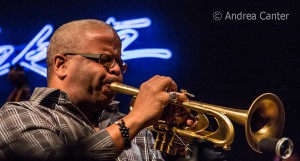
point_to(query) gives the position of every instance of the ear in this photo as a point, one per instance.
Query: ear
(59, 66)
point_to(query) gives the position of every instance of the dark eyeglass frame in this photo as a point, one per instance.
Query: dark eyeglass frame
(97, 57)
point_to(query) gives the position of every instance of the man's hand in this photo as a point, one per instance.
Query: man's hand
(149, 105)
(152, 99)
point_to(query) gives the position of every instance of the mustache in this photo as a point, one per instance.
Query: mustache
(110, 80)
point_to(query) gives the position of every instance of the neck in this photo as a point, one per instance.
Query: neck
(91, 110)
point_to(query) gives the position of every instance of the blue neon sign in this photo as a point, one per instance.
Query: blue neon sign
(35, 51)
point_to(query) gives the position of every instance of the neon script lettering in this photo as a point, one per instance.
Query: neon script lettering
(34, 53)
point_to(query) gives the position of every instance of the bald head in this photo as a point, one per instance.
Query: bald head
(68, 38)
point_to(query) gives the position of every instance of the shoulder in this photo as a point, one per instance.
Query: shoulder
(18, 106)
(23, 111)
(25, 116)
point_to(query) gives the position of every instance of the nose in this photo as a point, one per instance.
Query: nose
(116, 70)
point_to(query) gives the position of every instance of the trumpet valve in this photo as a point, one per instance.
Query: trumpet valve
(186, 93)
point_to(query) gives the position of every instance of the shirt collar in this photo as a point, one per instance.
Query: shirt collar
(48, 96)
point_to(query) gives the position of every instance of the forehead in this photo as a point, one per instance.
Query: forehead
(101, 41)
(106, 35)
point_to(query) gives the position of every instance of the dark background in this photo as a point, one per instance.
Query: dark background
(224, 62)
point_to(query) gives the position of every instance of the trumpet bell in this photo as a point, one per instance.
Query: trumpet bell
(265, 119)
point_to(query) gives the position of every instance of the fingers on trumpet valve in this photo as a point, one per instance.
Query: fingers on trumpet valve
(177, 114)
(179, 97)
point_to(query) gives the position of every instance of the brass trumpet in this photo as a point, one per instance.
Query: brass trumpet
(264, 123)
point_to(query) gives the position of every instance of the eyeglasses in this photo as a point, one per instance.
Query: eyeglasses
(104, 59)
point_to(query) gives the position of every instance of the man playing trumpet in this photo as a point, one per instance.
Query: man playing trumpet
(76, 116)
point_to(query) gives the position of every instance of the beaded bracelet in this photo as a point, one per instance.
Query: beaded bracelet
(125, 133)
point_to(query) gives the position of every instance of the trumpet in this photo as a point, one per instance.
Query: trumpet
(263, 121)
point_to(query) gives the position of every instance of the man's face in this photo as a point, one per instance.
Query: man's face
(89, 79)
